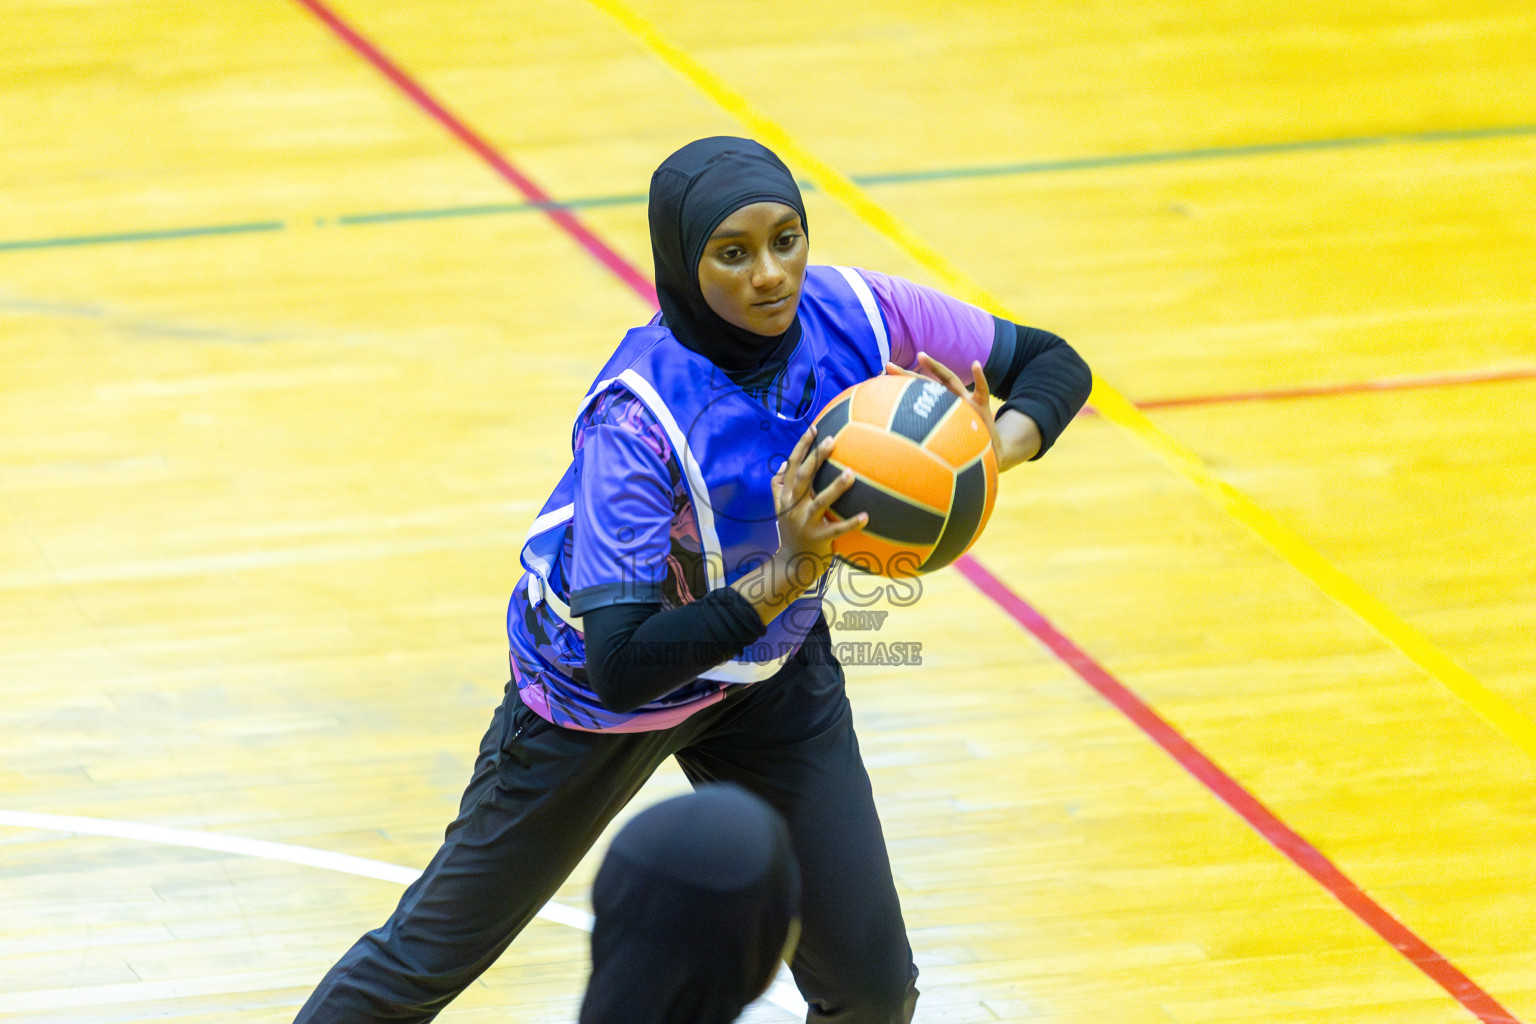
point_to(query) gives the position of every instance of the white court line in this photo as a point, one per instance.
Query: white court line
(782, 994)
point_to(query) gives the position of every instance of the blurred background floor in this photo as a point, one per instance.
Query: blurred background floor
(286, 368)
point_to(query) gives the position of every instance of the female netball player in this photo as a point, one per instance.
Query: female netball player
(695, 904)
(671, 601)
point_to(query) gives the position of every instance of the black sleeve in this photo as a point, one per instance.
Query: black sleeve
(1038, 374)
(637, 652)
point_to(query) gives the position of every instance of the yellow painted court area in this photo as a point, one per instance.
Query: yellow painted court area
(287, 368)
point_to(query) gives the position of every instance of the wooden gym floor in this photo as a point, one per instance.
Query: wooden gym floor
(1231, 718)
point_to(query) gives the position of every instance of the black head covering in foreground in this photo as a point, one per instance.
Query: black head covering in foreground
(693, 904)
(692, 191)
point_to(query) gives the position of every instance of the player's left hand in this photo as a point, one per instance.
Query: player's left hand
(979, 399)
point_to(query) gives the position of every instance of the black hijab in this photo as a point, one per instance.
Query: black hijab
(692, 191)
(693, 905)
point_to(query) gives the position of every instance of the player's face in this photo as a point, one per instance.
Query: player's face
(753, 266)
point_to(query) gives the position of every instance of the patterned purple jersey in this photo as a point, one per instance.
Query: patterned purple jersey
(634, 535)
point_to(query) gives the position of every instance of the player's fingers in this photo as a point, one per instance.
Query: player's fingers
(982, 393)
(799, 456)
(787, 481)
(943, 374)
(799, 480)
(813, 464)
(900, 371)
(836, 489)
(813, 461)
(797, 453)
(843, 526)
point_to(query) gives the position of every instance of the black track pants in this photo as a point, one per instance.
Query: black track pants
(540, 797)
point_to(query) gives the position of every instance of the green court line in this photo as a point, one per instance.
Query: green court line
(489, 208)
(143, 236)
(939, 174)
(1188, 155)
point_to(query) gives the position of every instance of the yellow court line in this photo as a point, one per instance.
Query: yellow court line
(1108, 401)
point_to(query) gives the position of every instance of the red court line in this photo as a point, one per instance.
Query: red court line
(1276, 832)
(621, 268)
(1351, 388)
(1279, 835)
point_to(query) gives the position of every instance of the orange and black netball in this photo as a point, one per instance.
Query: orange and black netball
(924, 470)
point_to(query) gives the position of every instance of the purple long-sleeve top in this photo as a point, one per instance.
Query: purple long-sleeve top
(635, 553)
